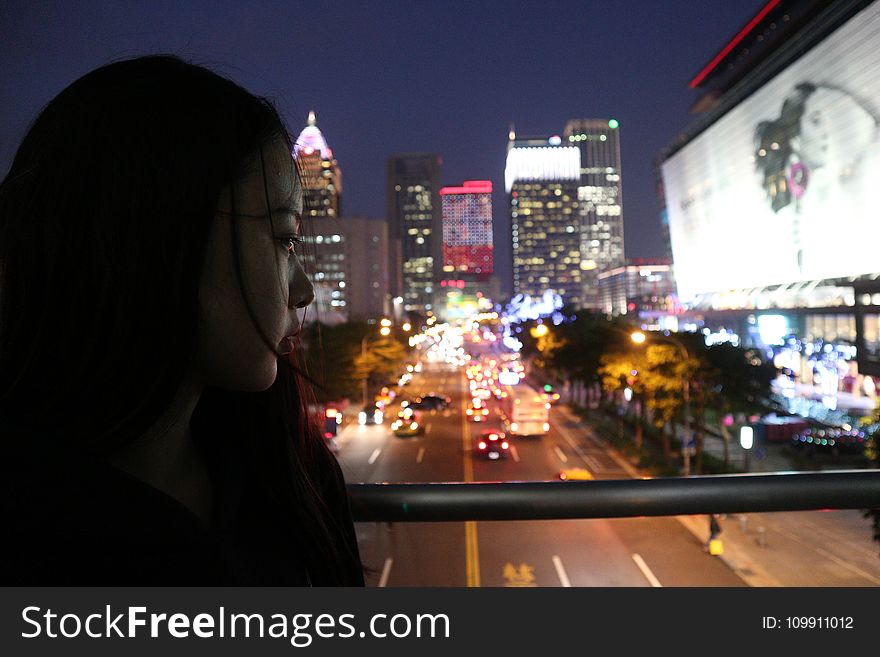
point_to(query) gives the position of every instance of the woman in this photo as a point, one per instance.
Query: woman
(155, 426)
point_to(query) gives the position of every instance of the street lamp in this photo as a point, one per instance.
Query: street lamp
(638, 337)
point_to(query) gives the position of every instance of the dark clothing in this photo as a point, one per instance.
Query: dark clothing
(71, 519)
(714, 527)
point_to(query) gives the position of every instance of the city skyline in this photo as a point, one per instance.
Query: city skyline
(390, 82)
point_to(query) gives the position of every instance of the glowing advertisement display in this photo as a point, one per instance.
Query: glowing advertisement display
(786, 186)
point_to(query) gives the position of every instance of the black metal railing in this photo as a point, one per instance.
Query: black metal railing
(618, 498)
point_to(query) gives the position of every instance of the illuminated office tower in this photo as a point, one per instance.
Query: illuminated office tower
(322, 191)
(541, 178)
(600, 200)
(413, 186)
(468, 262)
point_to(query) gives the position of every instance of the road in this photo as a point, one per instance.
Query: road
(601, 552)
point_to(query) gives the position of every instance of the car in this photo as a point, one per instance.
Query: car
(402, 427)
(477, 410)
(370, 414)
(575, 474)
(435, 402)
(493, 444)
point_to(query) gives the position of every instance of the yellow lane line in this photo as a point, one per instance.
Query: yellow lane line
(472, 552)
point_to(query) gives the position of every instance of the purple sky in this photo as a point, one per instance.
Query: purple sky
(413, 75)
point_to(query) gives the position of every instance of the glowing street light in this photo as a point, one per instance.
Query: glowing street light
(385, 330)
(385, 322)
(540, 331)
(638, 337)
(406, 326)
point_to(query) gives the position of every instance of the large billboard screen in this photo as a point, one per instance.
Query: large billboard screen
(786, 186)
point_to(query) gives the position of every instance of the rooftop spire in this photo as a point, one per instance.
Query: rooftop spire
(312, 117)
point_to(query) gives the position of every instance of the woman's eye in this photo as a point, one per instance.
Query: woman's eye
(290, 242)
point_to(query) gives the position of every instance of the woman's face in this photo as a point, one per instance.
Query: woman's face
(232, 353)
(834, 130)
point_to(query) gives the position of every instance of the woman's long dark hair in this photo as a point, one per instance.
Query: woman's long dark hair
(104, 221)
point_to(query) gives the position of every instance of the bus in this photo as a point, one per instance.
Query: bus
(525, 412)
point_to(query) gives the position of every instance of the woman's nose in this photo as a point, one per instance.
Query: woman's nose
(302, 293)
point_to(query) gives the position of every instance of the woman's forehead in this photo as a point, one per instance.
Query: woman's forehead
(271, 170)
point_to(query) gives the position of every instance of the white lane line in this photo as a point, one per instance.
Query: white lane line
(560, 571)
(646, 571)
(560, 454)
(514, 453)
(595, 466)
(374, 455)
(427, 428)
(386, 570)
(421, 455)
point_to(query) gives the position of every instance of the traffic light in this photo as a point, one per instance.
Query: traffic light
(548, 387)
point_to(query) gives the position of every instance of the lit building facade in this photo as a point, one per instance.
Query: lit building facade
(468, 259)
(365, 250)
(322, 192)
(413, 186)
(642, 288)
(770, 201)
(542, 177)
(600, 196)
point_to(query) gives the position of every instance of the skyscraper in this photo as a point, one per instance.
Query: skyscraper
(468, 261)
(600, 200)
(365, 246)
(322, 191)
(542, 177)
(414, 215)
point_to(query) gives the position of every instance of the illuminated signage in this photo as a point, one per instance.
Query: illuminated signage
(782, 189)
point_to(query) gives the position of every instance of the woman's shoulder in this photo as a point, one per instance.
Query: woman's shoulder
(69, 517)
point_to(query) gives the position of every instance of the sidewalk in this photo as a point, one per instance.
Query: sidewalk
(831, 548)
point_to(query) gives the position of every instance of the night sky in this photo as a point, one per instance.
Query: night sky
(385, 76)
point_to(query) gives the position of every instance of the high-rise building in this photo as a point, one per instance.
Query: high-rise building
(415, 222)
(542, 177)
(322, 191)
(468, 260)
(642, 288)
(365, 247)
(600, 200)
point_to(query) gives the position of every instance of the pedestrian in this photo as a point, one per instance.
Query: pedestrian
(155, 423)
(713, 543)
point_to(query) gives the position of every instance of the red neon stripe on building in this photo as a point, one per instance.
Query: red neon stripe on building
(730, 46)
(470, 187)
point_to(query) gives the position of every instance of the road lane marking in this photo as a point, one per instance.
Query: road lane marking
(374, 455)
(514, 453)
(593, 463)
(472, 551)
(560, 571)
(420, 455)
(472, 554)
(646, 571)
(427, 428)
(386, 570)
(560, 454)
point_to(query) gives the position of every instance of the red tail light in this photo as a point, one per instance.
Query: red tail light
(482, 445)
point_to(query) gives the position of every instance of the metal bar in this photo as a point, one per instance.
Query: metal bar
(618, 498)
